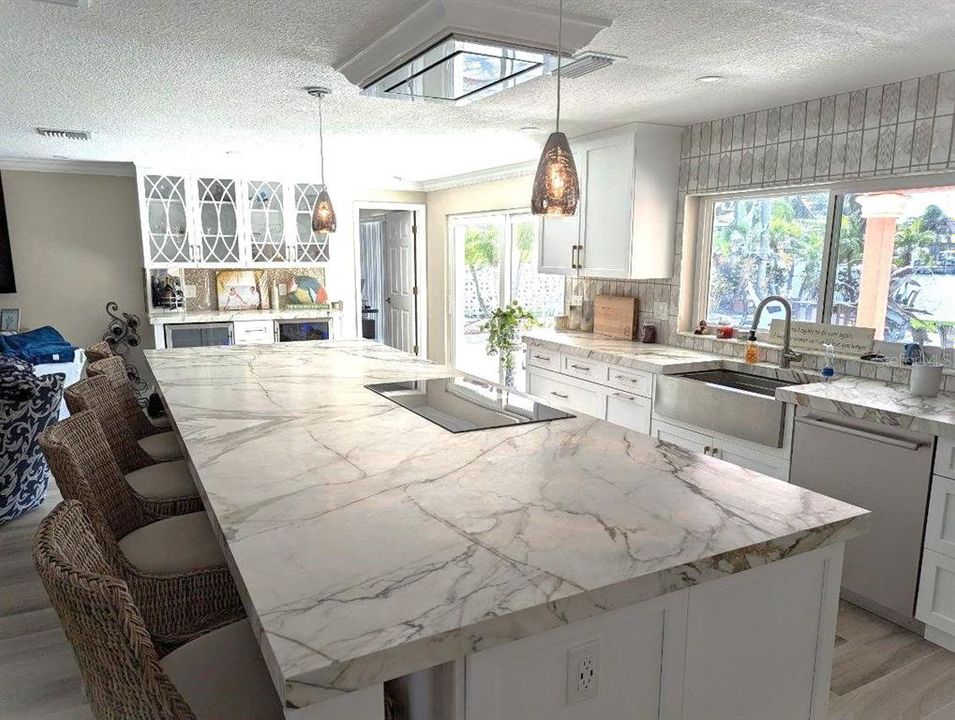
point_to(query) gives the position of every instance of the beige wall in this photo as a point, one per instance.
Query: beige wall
(76, 246)
(509, 194)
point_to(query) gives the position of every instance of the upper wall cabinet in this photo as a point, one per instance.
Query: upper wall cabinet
(202, 220)
(625, 223)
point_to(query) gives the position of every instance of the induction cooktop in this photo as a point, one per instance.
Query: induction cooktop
(460, 404)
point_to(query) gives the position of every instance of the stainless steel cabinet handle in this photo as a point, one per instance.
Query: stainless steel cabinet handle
(557, 394)
(580, 367)
(631, 398)
(542, 357)
(877, 437)
(628, 379)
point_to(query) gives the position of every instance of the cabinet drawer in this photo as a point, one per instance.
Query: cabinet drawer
(945, 457)
(253, 332)
(583, 368)
(636, 382)
(766, 464)
(567, 394)
(940, 526)
(539, 356)
(936, 600)
(629, 410)
(687, 439)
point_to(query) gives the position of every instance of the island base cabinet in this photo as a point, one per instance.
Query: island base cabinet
(749, 646)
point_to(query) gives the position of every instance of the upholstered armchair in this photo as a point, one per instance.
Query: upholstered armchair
(28, 406)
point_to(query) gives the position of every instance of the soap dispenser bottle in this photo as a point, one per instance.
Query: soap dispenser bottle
(828, 370)
(752, 349)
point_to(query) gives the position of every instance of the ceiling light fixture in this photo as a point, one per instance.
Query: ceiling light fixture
(710, 79)
(556, 185)
(323, 216)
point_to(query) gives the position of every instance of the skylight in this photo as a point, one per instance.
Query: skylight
(460, 70)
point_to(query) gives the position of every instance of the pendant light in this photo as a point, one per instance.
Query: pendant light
(323, 216)
(556, 185)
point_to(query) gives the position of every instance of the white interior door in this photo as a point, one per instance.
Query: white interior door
(399, 281)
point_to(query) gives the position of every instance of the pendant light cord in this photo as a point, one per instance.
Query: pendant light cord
(321, 139)
(560, 43)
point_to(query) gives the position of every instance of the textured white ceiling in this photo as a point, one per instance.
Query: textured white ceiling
(184, 82)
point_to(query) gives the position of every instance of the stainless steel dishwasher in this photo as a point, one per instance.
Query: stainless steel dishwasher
(883, 469)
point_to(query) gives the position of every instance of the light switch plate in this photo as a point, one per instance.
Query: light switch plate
(583, 672)
(189, 291)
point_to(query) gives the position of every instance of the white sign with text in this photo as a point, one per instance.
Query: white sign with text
(845, 340)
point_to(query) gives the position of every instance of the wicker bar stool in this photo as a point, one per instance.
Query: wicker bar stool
(159, 444)
(220, 675)
(164, 489)
(99, 351)
(174, 567)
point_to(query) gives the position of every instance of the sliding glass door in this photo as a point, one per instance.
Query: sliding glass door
(494, 261)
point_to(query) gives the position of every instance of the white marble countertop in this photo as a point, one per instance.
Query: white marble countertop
(239, 315)
(878, 401)
(651, 357)
(369, 543)
(875, 400)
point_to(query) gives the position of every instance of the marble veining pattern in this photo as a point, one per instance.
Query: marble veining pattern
(655, 358)
(878, 401)
(369, 543)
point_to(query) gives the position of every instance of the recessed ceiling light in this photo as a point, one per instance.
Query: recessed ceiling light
(709, 79)
(530, 129)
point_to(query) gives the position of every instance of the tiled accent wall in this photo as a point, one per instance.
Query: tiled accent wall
(204, 280)
(900, 128)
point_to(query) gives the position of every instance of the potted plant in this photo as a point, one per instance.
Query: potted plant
(503, 328)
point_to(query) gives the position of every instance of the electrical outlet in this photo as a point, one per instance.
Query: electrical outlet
(583, 672)
(189, 291)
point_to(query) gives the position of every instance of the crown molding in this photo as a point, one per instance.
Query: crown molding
(504, 172)
(72, 167)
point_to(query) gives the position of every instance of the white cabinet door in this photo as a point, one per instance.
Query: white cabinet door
(753, 642)
(539, 356)
(940, 526)
(607, 191)
(218, 222)
(566, 392)
(639, 649)
(637, 382)
(629, 411)
(558, 246)
(687, 439)
(945, 457)
(265, 222)
(583, 368)
(253, 332)
(309, 246)
(936, 599)
(167, 222)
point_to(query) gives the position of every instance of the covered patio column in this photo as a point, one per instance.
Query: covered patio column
(881, 212)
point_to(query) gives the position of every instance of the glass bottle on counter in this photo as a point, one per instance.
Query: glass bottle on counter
(752, 349)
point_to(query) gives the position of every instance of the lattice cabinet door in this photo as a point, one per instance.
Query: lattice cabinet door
(218, 221)
(309, 246)
(168, 230)
(265, 213)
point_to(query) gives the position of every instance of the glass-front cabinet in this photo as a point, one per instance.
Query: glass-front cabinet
(167, 230)
(208, 220)
(310, 246)
(265, 205)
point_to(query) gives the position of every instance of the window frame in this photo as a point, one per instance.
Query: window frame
(837, 190)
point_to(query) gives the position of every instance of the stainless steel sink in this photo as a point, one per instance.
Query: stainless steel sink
(724, 401)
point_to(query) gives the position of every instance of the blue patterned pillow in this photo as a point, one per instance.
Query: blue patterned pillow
(17, 381)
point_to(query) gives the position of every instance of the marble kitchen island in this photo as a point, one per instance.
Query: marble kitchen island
(369, 544)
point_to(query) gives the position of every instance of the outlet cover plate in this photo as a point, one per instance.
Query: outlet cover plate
(583, 672)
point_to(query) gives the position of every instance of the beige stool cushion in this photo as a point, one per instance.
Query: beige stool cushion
(161, 447)
(222, 675)
(174, 545)
(163, 481)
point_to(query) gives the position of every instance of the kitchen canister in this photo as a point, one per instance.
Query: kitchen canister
(926, 379)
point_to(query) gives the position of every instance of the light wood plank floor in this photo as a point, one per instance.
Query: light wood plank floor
(880, 671)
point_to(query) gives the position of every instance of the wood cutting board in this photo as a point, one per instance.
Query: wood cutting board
(617, 316)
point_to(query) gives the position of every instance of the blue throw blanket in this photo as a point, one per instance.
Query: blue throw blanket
(43, 345)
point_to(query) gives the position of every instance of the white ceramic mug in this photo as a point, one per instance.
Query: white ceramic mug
(926, 379)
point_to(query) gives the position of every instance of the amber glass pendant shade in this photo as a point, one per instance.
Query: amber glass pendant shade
(556, 185)
(323, 216)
